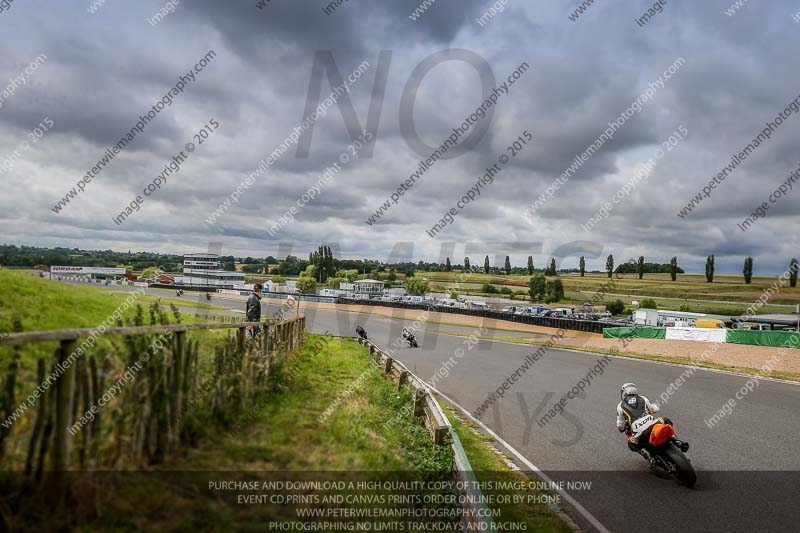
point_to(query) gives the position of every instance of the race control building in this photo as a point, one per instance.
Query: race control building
(205, 270)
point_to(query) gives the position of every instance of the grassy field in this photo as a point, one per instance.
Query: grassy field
(668, 294)
(40, 304)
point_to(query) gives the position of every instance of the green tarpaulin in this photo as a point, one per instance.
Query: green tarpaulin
(789, 339)
(636, 333)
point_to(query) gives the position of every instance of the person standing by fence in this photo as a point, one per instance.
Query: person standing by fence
(253, 309)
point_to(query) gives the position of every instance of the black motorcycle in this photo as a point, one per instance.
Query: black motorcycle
(208, 297)
(411, 340)
(361, 332)
(668, 454)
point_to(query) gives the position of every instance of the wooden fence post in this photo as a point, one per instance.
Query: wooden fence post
(41, 414)
(177, 385)
(387, 367)
(63, 406)
(9, 400)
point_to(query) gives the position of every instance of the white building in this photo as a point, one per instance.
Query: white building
(85, 274)
(362, 289)
(369, 287)
(205, 270)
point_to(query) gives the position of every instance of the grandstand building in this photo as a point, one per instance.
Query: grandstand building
(205, 270)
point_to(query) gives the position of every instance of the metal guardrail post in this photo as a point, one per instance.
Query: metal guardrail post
(419, 402)
(402, 379)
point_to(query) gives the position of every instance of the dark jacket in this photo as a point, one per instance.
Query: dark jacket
(253, 311)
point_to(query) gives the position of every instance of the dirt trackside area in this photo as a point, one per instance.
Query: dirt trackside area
(734, 356)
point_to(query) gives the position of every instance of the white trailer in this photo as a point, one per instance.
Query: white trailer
(645, 317)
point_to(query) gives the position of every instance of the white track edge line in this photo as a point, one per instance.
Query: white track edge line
(572, 501)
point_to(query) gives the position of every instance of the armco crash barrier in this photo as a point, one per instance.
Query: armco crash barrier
(591, 326)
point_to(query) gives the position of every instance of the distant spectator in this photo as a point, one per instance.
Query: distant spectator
(253, 311)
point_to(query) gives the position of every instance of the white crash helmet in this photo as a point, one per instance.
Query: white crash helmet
(627, 389)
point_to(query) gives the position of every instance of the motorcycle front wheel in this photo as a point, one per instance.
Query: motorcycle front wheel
(684, 471)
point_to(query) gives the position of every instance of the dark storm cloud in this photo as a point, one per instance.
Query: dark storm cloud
(105, 69)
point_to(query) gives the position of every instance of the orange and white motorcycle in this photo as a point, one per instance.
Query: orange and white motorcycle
(666, 450)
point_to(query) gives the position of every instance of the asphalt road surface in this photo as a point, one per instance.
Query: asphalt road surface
(748, 463)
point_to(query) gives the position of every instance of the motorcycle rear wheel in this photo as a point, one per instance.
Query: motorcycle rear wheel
(684, 471)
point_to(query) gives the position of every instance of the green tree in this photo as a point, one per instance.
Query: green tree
(610, 265)
(538, 286)
(486, 268)
(530, 265)
(488, 288)
(508, 266)
(417, 286)
(673, 268)
(551, 270)
(324, 262)
(710, 269)
(793, 272)
(748, 270)
(350, 275)
(392, 276)
(617, 307)
(466, 264)
(278, 279)
(448, 267)
(582, 265)
(554, 291)
(640, 267)
(150, 272)
(648, 303)
(333, 282)
(307, 284)
(453, 294)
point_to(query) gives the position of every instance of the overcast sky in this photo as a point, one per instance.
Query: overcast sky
(105, 69)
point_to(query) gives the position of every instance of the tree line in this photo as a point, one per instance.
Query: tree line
(327, 266)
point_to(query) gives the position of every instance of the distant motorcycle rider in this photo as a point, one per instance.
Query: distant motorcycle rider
(407, 334)
(635, 419)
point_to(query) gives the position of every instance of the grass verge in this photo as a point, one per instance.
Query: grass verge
(530, 509)
(330, 411)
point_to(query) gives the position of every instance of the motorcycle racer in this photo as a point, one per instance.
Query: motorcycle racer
(635, 419)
